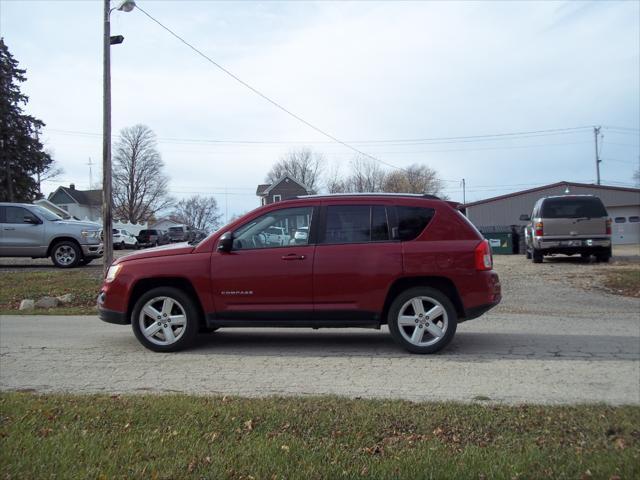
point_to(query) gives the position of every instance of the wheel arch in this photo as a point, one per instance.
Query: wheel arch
(145, 284)
(443, 284)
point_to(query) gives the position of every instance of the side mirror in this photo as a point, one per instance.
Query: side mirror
(226, 242)
(524, 217)
(31, 220)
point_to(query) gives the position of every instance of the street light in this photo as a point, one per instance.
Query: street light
(107, 41)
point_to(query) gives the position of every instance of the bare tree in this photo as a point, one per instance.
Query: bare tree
(140, 188)
(414, 179)
(366, 176)
(334, 183)
(198, 212)
(48, 172)
(303, 164)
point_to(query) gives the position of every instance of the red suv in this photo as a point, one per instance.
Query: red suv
(412, 262)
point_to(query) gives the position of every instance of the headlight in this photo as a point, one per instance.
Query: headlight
(90, 233)
(112, 272)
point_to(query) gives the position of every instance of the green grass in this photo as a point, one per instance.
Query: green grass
(176, 436)
(82, 283)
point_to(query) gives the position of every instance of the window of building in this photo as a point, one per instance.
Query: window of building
(412, 221)
(277, 198)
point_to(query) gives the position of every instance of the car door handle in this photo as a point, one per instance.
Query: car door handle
(293, 256)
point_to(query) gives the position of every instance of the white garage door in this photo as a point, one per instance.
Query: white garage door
(625, 225)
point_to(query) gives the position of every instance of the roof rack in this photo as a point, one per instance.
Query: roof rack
(371, 194)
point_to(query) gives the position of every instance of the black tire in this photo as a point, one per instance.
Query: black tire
(122, 246)
(585, 256)
(527, 254)
(191, 313)
(536, 255)
(428, 292)
(66, 254)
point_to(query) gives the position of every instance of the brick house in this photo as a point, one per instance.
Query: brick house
(282, 189)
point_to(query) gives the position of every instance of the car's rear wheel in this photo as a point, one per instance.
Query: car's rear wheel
(536, 255)
(165, 319)
(422, 320)
(604, 256)
(527, 254)
(66, 254)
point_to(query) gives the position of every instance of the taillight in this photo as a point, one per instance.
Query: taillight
(608, 226)
(484, 259)
(539, 229)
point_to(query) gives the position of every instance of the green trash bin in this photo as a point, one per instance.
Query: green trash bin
(501, 243)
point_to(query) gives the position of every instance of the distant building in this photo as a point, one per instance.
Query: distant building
(282, 189)
(623, 206)
(81, 204)
(164, 223)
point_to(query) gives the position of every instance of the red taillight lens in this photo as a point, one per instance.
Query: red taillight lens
(608, 226)
(484, 259)
(539, 229)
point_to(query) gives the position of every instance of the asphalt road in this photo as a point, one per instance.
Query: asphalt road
(548, 342)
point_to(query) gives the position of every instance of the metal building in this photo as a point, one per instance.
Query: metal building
(623, 205)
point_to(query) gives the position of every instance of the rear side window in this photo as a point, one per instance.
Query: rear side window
(587, 207)
(356, 224)
(620, 220)
(412, 221)
(634, 219)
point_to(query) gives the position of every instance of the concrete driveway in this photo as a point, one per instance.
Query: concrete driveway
(548, 342)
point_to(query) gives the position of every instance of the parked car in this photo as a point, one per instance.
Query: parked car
(569, 225)
(33, 231)
(277, 236)
(301, 235)
(409, 261)
(123, 239)
(181, 233)
(152, 237)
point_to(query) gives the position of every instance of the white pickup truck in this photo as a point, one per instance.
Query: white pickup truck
(33, 231)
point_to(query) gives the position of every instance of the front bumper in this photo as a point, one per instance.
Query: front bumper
(111, 316)
(95, 250)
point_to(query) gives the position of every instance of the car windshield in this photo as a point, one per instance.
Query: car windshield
(568, 207)
(47, 214)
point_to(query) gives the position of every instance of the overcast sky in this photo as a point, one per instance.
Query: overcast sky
(358, 70)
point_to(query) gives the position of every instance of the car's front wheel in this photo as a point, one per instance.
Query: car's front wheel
(422, 320)
(165, 319)
(66, 254)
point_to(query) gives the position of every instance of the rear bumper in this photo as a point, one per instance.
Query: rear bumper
(476, 312)
(571, 243)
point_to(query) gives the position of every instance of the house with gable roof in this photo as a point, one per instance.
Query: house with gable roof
(81, 204)
(282, 189)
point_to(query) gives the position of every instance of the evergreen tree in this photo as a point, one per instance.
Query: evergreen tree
(21, 153)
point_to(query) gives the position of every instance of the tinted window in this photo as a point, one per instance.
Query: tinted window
(115, 231)
(17, 214)
(356, 224)
(569, 207)
(620, 220)
(293, 223)
(412, 221)
(634, 219)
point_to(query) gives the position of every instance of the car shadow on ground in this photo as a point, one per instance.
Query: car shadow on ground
(466, 346)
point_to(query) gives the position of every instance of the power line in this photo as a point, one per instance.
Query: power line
(262, 95)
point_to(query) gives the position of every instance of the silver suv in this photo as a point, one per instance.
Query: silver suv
(33, 231)
(570, 225)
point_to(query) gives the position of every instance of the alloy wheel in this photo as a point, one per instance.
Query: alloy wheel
(423, 321)
(163, 320)
(65, 255)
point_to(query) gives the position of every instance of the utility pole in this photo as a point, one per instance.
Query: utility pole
(596, 132)
(464, 192)
(106, 142)
(90, 174)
